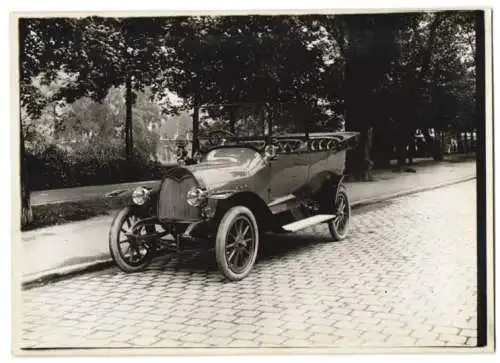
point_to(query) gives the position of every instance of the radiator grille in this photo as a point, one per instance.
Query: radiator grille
(172, 204)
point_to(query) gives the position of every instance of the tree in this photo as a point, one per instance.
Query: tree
(402, 72)
(433, 80)
(368, 49)
(250, 59)
(115, 52)
(389, 74)
(148, 118)
(100, 52)
(43, 46)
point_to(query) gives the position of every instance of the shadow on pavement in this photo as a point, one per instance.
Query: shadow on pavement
(272, 247)
(203, 262)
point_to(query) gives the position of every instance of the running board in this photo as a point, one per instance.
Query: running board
(308, 222)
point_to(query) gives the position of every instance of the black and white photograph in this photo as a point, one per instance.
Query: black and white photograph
(253, 182)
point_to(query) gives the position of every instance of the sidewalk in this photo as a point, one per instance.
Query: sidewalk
(71, 247)
(79, 194)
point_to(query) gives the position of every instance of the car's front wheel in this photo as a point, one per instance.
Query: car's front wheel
(129, 253)
(236, 243)
(339, 226)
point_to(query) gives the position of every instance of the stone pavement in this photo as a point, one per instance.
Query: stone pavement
(73, 246)
(406, 276)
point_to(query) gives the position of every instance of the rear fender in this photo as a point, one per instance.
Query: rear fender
(337, 182)
(329, 192)
(318, 184)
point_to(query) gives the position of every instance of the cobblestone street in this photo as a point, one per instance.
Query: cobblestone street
(405, 276)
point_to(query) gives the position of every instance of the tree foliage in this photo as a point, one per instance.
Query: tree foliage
(388, 74)
(249, 59)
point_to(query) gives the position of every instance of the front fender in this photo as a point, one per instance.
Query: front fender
(124, 197)
(223, 194)
(221, 202)
(215, 200)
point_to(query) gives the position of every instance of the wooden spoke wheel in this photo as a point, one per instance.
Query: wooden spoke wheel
(131, 254)
(237, 243)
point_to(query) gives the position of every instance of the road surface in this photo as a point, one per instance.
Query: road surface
(406, 276)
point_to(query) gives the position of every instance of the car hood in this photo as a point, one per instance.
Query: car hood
(217, 175)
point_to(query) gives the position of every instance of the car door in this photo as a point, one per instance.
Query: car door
(290, 168)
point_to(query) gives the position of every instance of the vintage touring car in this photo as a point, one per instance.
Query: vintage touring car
(232, 191)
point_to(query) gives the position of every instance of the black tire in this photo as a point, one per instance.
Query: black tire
(139, 255)
(236, 254)
(339, 227)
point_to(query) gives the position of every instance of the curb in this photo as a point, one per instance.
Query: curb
(58, 274)
(368, 201)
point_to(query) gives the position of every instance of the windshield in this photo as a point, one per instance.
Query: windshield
(243, 121)
(247, 121)
(243, 156)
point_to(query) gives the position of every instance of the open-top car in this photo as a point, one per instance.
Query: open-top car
(264, 176)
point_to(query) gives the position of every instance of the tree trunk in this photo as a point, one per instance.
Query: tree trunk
(459, 142)
(359, 160)
(429, 141)
(26, 210)
(359, 163)
(129, 144)
(401, 151)
(365, 157)
(382, 149)
(441, 133)
(196, 127)
(411, 149)
(232, 121)
(358, 115)
(438, 146)
(466, 142)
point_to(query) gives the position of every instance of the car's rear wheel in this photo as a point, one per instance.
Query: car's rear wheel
(339, 226)
(237, 243)
(130, 254)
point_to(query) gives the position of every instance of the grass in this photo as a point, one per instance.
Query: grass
(61, 213)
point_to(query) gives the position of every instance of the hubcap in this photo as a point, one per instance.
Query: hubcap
(240, 244)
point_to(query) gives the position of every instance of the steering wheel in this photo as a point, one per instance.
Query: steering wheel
(219, 137)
